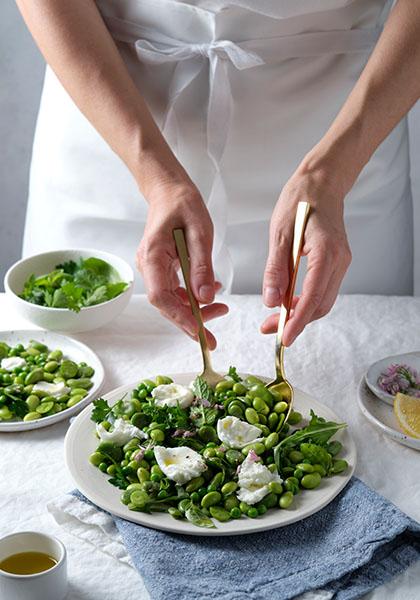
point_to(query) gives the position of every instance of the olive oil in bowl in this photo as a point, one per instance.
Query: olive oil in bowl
(27, 563)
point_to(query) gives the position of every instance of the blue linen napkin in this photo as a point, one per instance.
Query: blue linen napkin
(356, 543)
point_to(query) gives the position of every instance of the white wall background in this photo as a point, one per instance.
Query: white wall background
(21, 74)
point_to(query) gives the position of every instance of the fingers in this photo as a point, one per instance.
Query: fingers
(276, 274)
(271, 323)
(199, 243)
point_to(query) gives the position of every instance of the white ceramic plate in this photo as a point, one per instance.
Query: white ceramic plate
(71, 349)
(412, 359)
(80, 442)
(382, 417)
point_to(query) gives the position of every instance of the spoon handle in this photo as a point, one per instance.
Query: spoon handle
(184, 259)
(302, 214)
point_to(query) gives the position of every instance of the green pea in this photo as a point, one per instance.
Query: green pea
(339, 466)
(34, 376)
(30, 416)
(51, 366)
(305, 467)
(68, 369)
(235, 410)
(272, 468)
(294, 418)
(32, 402)
(244, 507)
(239, 389)
(271, 441)
(111, 470)
(295, 456)
(207, 433)
(231, 502)
(74, 400)
(251, 416)
(275, 487)
(44, 407)
(262, 509)
(257, 447)
(235, 512)
(174, 512)
(280, 407)
(209, 453)
(55, 355)
(252, 512)
(229, 488)
(156, 470)
(219, 513)
(334, 447)
(224, 386)
(320, 469)
(286, 500)
(157, 435)
(194, 484)
(96, 458)
(103, 467)
(83, 383)
(78, 392)
(310, 481)
(273, 419)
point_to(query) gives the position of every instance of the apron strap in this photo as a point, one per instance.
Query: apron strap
(154, 47)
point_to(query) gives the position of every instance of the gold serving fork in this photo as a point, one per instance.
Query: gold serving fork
(208, 374)
(280, 385)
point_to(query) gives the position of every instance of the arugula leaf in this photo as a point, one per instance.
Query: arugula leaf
(319, 431)
(196, 516)
(202, 390)
(234, 375)
(101, 410)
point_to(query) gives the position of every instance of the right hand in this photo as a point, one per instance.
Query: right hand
(174, 206)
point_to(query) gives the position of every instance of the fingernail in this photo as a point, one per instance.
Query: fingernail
(206, 293)
(271, 295)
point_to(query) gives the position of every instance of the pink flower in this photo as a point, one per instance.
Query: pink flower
(253, 456)
(399, 378)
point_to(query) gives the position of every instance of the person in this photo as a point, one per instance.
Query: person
(218, 116)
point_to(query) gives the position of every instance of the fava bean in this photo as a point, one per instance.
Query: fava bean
(219, 513)
(79, 392)
(83, 383)
(234, 457)
(224, 386)
(44, 407)
(311, 480)
(280, 407)
(96, 458)
(271, 441)
(34, 376)
(30, 416)
(55, 355)
(68, 369)
(257, 447)
(211, 499)
(339, 466)
(229, 488)
(305, 467)
(239, 389)
(51, 366)
(74, 400)
(251, 416)
(275, 487)
(294, 418)
(286, 500)
(194, 484)
(32, 402)
(334, 447)
(273, 419)
(231, 502)
(295, 456)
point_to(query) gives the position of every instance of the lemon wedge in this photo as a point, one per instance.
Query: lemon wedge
(407, 411)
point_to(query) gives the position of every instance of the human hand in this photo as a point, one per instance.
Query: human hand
(179, 206)
(325, 245)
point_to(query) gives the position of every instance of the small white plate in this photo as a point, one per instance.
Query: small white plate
(73, 350)
(80, 442)
(382, 417)
(412, 359)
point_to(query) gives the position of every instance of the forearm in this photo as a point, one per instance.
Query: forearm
(386, 90)
(82, 53)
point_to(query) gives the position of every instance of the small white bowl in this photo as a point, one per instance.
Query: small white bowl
(64, 319)
(47, 585)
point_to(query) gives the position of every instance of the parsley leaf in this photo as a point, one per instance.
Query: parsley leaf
(101, 410)
(19, 407)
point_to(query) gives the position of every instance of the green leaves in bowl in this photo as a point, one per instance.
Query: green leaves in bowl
(75, 285)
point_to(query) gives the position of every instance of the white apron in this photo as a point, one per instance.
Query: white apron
(242, 90)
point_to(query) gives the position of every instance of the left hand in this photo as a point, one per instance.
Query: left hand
(325, 245)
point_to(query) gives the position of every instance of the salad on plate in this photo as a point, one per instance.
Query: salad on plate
(202, 453)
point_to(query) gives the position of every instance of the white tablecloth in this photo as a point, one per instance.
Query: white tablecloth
(328, 360)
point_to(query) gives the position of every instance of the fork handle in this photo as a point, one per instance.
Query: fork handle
(301, 218)
(184, 259)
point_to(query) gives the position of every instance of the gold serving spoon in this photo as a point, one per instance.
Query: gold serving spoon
(208, 374)
(280, 385)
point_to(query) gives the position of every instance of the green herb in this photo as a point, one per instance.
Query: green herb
(118, 479)
(19, 407)
(201, 415)
(171, 417)
(319, 431)
(232, 373)
(101, 410)
(202, 390)
(75, 285)
(316, 454)
(196, 516)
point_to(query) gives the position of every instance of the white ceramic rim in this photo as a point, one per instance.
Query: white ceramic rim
(61, 560)
(51, 309)
(374, 387)
(396, 435)
(173, 526)
(21, 425)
